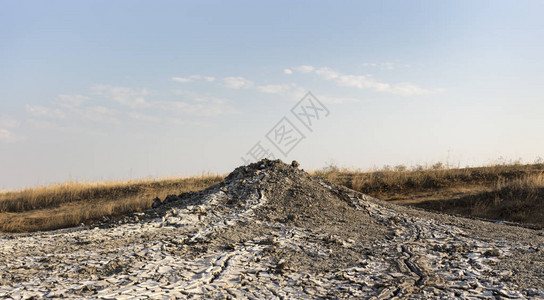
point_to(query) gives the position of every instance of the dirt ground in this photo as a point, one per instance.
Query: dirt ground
(270, 230)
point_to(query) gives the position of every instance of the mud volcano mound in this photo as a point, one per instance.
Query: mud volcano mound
(290, 197)
(270, 231)
(294, 198)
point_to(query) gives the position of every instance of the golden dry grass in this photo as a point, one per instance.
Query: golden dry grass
(73, 203)
(511, 192)
(518, 200)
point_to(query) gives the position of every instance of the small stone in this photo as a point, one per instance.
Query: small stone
(283, 266)
(156, 203)
(492, 252)
(395, 220)
(268, 241)
(295, 164)
(292, 218)
(171, 198)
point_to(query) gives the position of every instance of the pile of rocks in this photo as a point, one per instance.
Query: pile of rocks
(270, 230)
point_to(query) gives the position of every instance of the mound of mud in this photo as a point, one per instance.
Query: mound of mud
(294, 197)
(270, 230)
(290, 197)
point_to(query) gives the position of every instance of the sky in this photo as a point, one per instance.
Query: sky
(116, 90)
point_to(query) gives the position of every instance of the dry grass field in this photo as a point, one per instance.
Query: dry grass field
(72, 203)
(511, 192)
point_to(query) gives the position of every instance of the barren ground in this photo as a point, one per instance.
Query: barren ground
(272, 231)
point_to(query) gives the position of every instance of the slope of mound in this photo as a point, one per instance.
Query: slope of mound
(294, 198)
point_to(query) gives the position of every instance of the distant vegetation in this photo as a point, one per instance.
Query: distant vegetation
(512, 192)
(72, 203)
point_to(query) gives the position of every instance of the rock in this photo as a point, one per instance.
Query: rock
(395, 220)
(282, 267)
(156, 203)
(295, 164)
(492, 252)
(292, 217)
(171, 198)
(269, 241)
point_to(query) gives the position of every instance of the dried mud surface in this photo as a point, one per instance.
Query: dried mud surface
(271, 231)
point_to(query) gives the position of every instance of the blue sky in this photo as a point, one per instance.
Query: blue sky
(105, 90)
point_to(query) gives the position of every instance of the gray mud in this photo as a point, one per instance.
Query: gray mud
(271, 231)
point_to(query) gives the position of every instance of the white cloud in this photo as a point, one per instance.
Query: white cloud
(205, 98)
(98, 114)
(202, 105)
(337, 100)
(197, 104)
(41, 111)
(368, 82)
(178, 121)
(165, 120)
(72, 112)
(304, 69)
(200, 77)
(143, 117)
(8, 122)
(327, 73)
(408, 89)
(297, 93)
(287, 71)
(181, 79)
(70, 101)
(275, 88)
(237, 83)
(133, 98)
(198, 109)
(7, 136)
(388, 66)
(193, 78)
(362, 82)
(291, 91)
(385, 65)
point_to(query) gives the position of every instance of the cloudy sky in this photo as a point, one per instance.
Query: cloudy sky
(106, 90)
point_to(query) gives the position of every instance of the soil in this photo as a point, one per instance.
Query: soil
(270, 230)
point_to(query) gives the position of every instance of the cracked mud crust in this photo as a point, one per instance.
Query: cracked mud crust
(271, 231)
